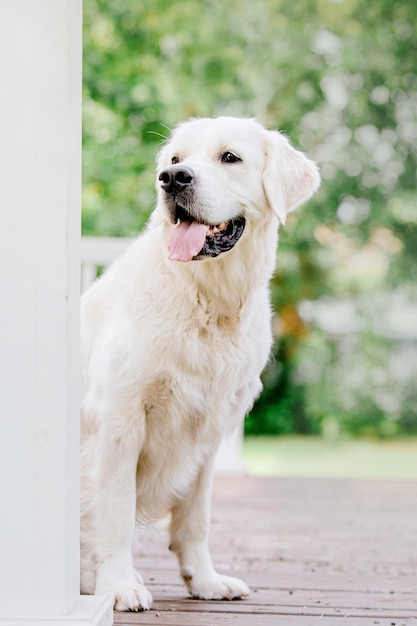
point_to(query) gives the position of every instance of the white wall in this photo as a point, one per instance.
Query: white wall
(40, 144)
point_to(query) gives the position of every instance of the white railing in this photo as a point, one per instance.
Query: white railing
(100, 252)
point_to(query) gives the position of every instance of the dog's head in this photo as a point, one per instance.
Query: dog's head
(217, 176)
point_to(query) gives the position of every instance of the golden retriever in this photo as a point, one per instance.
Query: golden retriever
(175, 336)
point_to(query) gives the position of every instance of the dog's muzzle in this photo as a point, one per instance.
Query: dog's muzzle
(194, 238)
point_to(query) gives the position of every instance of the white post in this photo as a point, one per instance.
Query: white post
(40, 143)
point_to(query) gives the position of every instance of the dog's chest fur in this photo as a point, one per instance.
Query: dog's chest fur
(208, 379)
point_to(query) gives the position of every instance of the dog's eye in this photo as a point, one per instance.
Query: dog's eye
(175, 159)
(229, 157)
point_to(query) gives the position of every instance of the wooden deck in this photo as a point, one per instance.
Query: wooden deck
(315, 552)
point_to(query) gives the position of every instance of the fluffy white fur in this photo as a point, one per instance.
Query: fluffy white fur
(172, 354)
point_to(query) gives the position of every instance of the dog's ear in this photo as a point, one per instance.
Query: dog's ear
(290, 178)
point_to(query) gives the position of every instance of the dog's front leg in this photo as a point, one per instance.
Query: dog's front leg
(189, 540)
(115, 512)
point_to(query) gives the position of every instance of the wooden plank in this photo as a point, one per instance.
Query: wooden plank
(300, 597)
(293, 575)
(236, 608)
(180, 618)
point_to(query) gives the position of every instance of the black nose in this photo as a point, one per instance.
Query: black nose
(176, 178)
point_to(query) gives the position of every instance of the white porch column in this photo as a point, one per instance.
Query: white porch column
(40, 145)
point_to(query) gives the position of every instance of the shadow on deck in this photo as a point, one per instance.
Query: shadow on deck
(314, 552)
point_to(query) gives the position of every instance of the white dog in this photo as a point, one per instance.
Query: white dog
(175, 336)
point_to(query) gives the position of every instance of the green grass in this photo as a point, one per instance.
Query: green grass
(318, 457)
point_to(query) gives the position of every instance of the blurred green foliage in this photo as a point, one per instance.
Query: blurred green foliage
(340, 78)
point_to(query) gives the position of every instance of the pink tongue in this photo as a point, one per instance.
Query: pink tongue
(186, 240)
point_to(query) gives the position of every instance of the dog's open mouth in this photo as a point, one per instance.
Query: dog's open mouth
(192, 240)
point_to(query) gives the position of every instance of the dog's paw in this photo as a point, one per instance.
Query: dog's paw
(218, 587)
(128, 596)
(132, 598)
